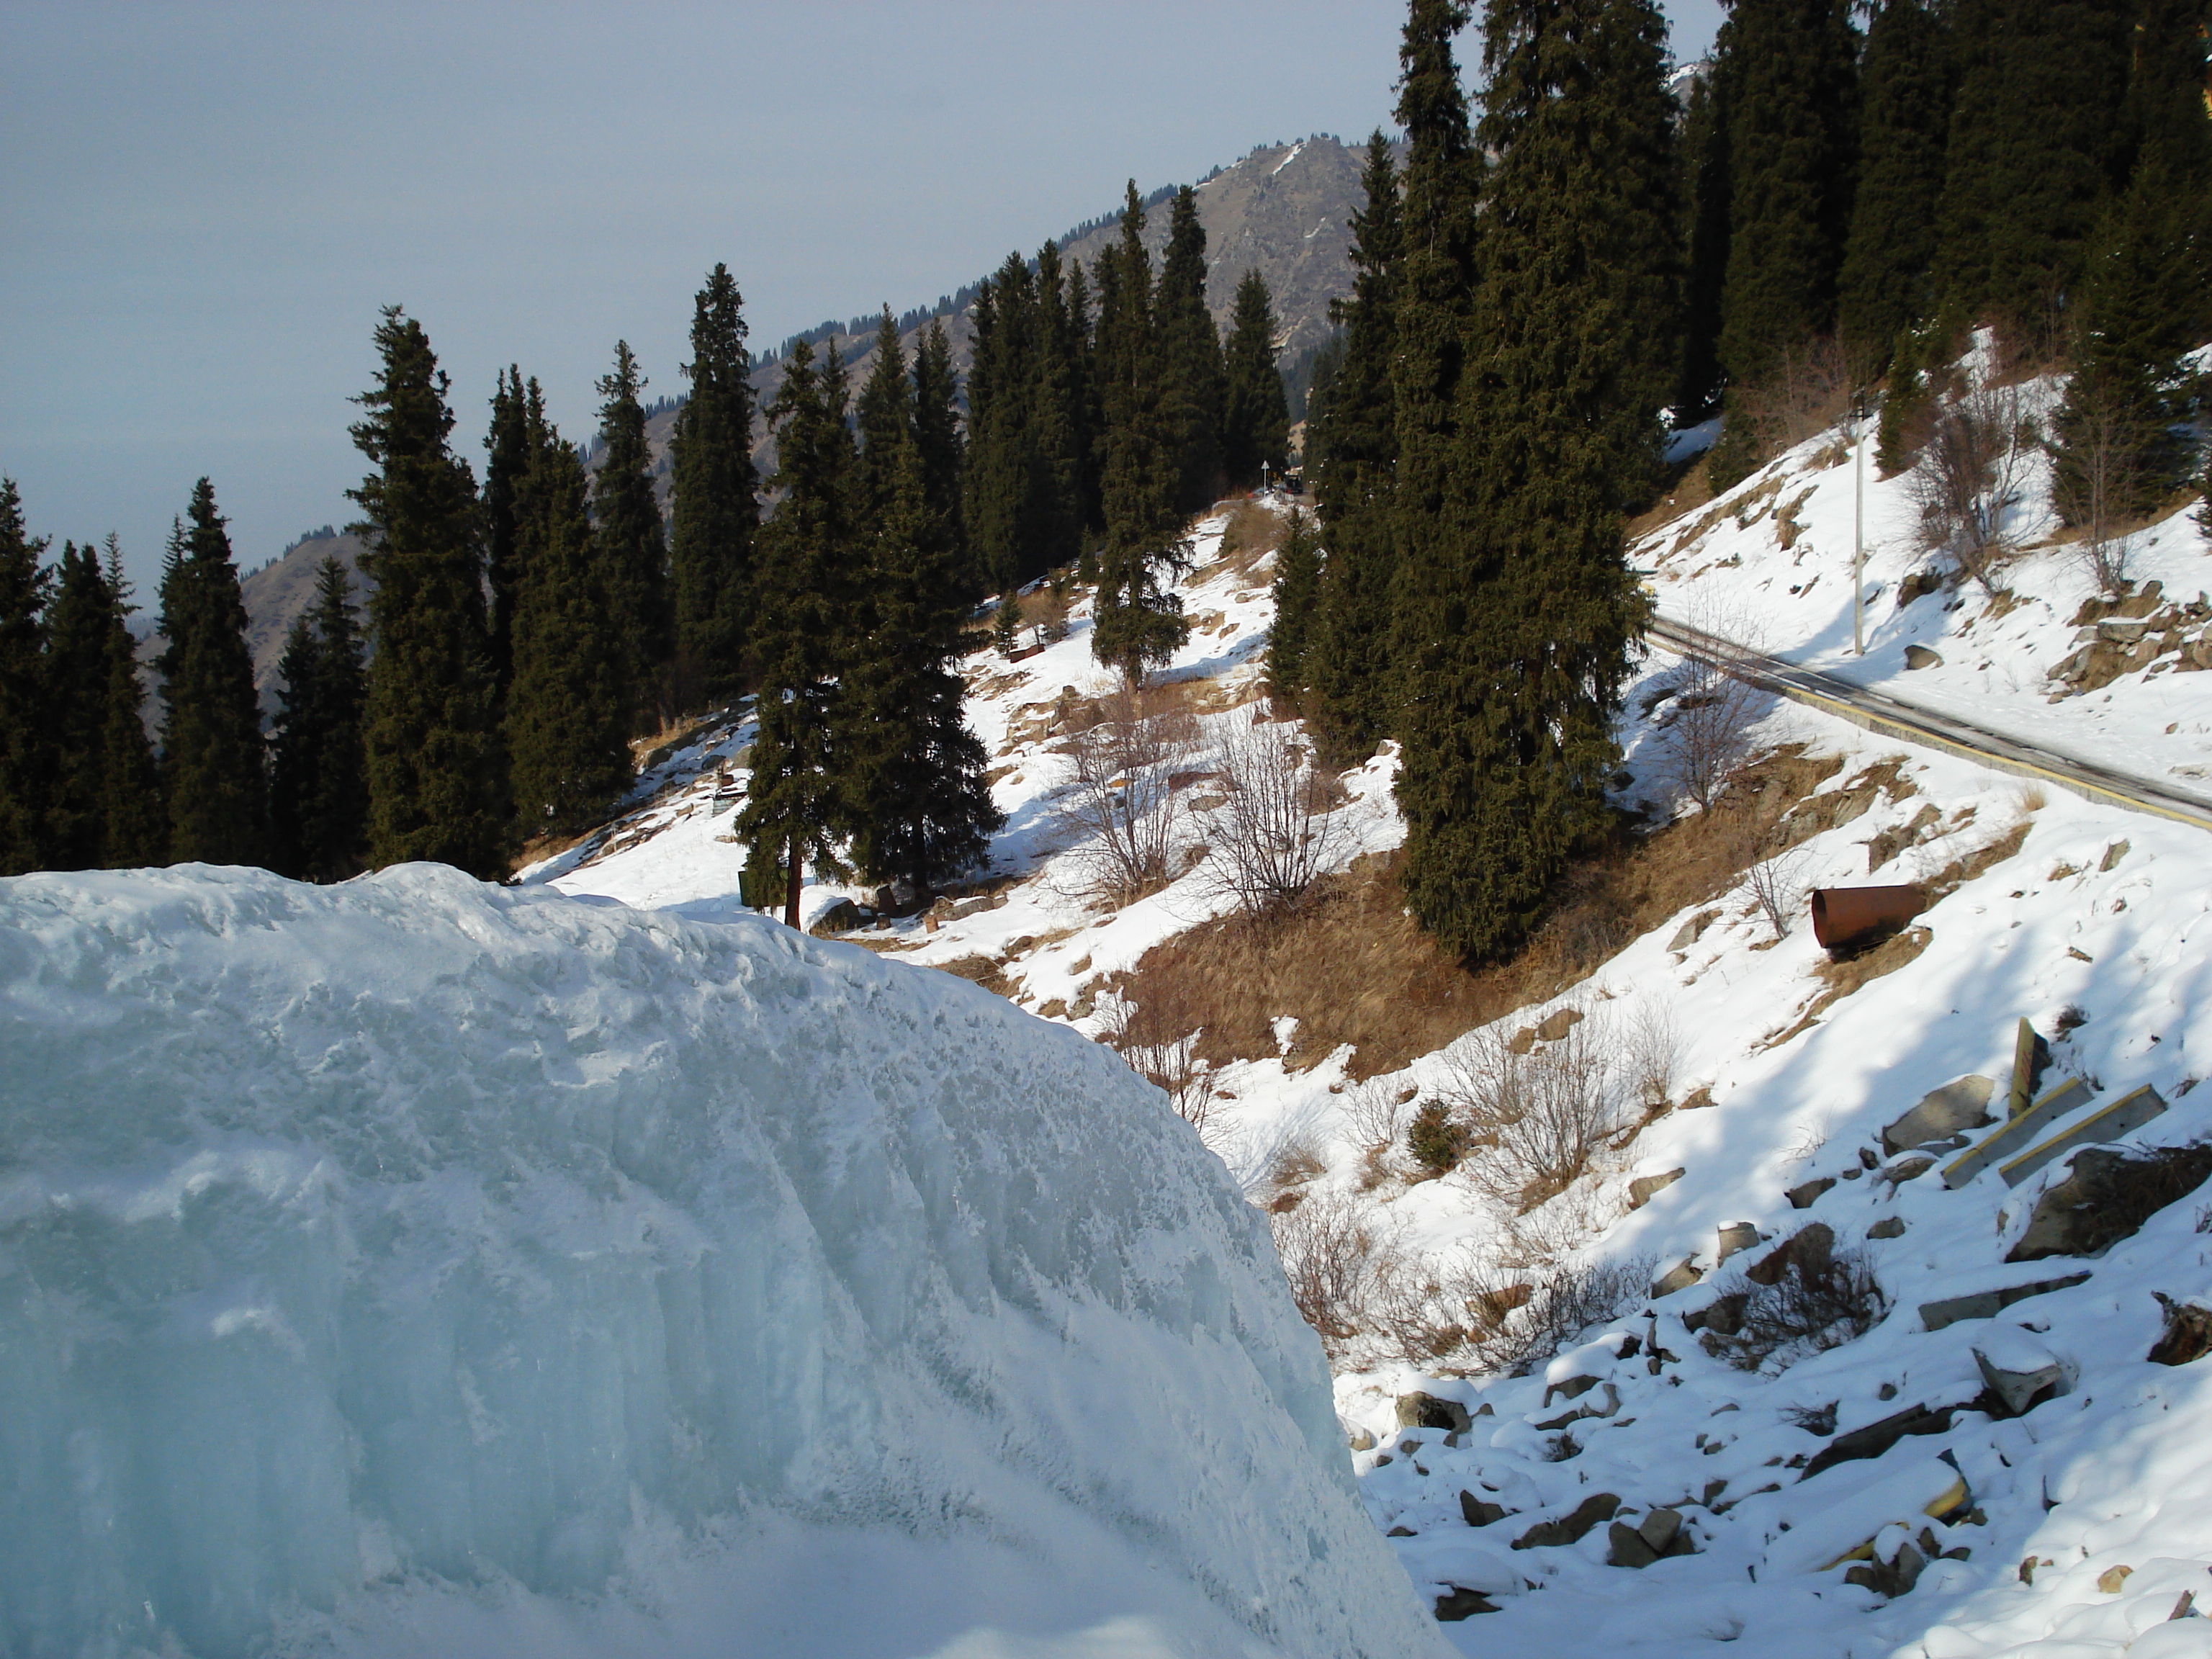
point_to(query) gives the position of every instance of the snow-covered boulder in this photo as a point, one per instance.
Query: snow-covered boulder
(418, 1266)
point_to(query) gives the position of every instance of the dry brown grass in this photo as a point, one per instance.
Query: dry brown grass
(1353, 967)
(1251, 535)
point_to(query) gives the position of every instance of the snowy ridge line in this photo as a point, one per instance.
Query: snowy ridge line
(1879, 712)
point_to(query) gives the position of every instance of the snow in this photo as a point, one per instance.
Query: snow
(415, 1267)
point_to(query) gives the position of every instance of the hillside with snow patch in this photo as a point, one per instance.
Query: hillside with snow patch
(1757, 1088)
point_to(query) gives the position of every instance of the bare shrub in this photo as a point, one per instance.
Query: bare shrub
(1706, 730)
(1276, 834)
(1375, 1110)
(1649, 1050)
(1251, 533)
(1159, 1044)
(1458, 1309)
(1823, 1298)
(1803, 395)
(2092, 478)
(1778, 888)
(1121, 810)
(1971, 473)
(1336, 1251)
(1535, 1120)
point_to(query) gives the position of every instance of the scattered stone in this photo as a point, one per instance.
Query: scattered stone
(2113, 854)
(1401, 1532)
(2111, 1580)
(1693, 930)
(1736, 1237)
(1458, 1603)
(1570, 1529)
(2106, 1196)
(1698, 1099)
(2187, 1335)
(1961, 1103)
(1918, 584)
(1641, 1189)
(1919, 656)
(2124, 1116)
(1988, 1305)
(1875, 1438)
(1661, 1528)
(842, 917)
(1679, 1277)
(1573, 1388)
(1480, 1512)
(2020, 1371)
(1810, 1247)
(1427, 1411)
(1891, 1578)
(1906, 1169)
(1626, 1547)
(1800, 1197)
(1558, 1024)
(1890, 1226)
(1723, 1316)
(1360, 1440)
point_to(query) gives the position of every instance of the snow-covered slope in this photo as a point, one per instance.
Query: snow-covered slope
(415, 1266)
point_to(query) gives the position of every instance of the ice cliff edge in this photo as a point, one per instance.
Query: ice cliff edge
(384, 1263)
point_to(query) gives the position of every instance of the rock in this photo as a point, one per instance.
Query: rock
(2019, 1370)
(1873, 1439)
(1570, 1529)
(2124, 1116)
(1640, 1190)
(1684, 1274)
(1890, 1226)
(2187, 1335)
(1918, 584)
(1800, 1197)
(842, 917)
(1662, 1529)
(1428, 1411)
(1556, 1026)
(1626, 1547)
(2016, 1132)
(2106, 1196)
(1573, 1388)
(2112, 1579)
(1810, 1247)
(1723, 1316)
(1893, 1577)
(1693, 930)
(1479, 1511)
(1460, 1603)
(1919, 656)
(1401, 1532)
(1359, 1440)
(1961, 1103)
(1988, 1305)
(1736, 1237)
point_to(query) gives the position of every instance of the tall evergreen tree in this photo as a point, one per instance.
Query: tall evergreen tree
(506, 459)
(318, 767)
(1255, 418)
(1517, 634)
(1793, 111)
(632, 554)
(2035, 145)
(437, 776)
(1192, 381)
(1062, 407)
(939, 449)
(716, 518)
(1092, 420)
(213, 759)
(569, 713)
(76, 685)
(134, 823)
(1140, 623)
(1705, 194)
(883, 418)
(912, 772)
(1297, 583)
(25, 755)
(1904, 81)
(794, 805)
(1006, 483)
(1351, 456)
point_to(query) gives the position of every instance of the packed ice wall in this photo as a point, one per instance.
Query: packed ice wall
(412, 1237)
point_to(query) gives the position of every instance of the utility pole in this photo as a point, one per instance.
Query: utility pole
(1858, 524)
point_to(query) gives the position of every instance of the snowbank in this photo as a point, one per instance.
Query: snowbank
(420, 1267)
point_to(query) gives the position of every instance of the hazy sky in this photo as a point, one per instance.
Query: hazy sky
(203, 205)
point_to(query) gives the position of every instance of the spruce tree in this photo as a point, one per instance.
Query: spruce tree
(1905, 81)
(910, 770)
(2035, 144)
(939, 448)
(1793, 101)
(1256, 418)
(1192, 381)
(506, 459)
(715, 518)
(1141, 623)
(214, 762)
(1092, 420)
(1517, 635)
(1062, 404)
(77, 663)
(632, 554)
(568, 714)
(1351, 453)
(134, 822)
(437, 776)
(793, 809)
(1704, 193)
(1007, 483)
(318, 775)
(883, 417)
(25, 755)
(1297, 582)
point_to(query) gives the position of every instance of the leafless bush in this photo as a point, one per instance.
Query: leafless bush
(1650, 1049)
(2091, 481)
(1536, 1121)
(1335, 1252)
(1375, 1110)
(1706, 730)
(1823, 1298)
(1122, 809)
(1973, 471)
(1163, 1049)
(1459, 1310)
(1804, 394)
(1275, 836)
(1778, 888)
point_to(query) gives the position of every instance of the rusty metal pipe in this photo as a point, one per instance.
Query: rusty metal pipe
(1844, 916)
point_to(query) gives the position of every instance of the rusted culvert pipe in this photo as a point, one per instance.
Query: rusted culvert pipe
(1847, 916)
